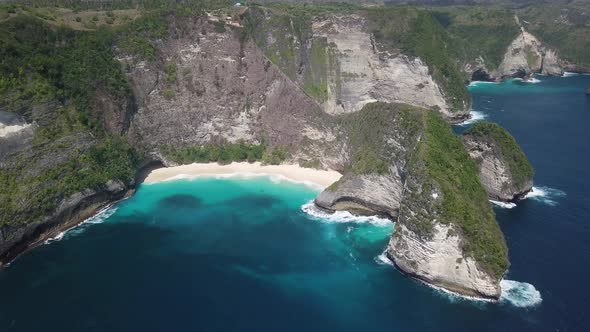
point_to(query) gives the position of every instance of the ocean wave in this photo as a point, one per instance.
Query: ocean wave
(532, 80)
(519, 294)
(475, 117)
(476, 83)
(342, 216)
(503, 204)
(383, 260)
(98, 218)
(545, 195)
(569, 74)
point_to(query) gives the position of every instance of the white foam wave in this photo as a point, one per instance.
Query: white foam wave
(342, 216)
(569, 74)
(56, 238)
(383, 260)
(475, 117)
(275, 178)
(532, 80)
(519, 294)
(475, 83)
(545, 195)
(98, 218)
(503, 204)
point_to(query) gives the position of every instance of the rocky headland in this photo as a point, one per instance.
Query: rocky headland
(504, 170)
(365, 91)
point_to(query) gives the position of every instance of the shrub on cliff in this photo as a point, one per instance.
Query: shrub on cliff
(521, 169)
(464, 200)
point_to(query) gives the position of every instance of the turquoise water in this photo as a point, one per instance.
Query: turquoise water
(241, 254)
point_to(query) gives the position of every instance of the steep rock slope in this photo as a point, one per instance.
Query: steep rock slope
(372, 182)
(527, 55)
(446, 233)
(504, 169)
(337, 60)
(217, 87)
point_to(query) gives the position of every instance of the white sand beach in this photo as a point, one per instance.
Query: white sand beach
(319, 178)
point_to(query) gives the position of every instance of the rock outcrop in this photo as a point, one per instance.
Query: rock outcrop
(434, 239)
(527, 55)
(440, 261)
(504, 170)
(15, 239)
(337, 61)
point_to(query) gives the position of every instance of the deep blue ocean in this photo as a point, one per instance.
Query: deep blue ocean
(240, 254)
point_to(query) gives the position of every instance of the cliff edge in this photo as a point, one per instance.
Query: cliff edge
(504, 170)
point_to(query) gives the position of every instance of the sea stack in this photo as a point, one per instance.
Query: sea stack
(445, 236)
(504, 170)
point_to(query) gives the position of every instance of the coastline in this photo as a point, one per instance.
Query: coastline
(291, 172)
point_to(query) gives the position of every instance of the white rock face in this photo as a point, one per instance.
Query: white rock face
(361, 74)
(526, 55)
(494, 173)
(440, 261)
(369, 193)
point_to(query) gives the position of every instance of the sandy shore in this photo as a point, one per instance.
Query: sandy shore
(296, 173)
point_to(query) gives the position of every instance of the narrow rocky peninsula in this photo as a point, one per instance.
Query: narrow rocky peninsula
(446, 233)
(504, 170)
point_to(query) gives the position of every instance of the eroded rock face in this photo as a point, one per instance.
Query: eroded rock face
(360, 73)
(440, 261)
(363, 194)
(15, 134)
(15, 239)
(500, 162)
(527, 55)
(495, 174)
(430, 241)
(212, 87)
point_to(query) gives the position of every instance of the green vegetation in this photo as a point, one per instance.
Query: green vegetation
(26, 197)
(57, 71)
(478, 31)
(464, 199)
(225, 153)
(137, 37)
(315, 81)
(368, 131)
(563, 27)
(42, 63)
(416, 33)
(219, 27)
(519, 165)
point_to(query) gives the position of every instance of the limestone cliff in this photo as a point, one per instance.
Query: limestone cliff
(445, 236)
(504, 170)
(336, 60)
(527, 55)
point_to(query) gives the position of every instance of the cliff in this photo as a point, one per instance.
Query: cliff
(446, 233)
(527, 55)
(296, 84)
(343, 61)
(504, 169)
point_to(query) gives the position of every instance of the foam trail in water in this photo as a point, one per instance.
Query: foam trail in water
(476, 83)
(503, 204)
(569, 74)
(342, 216)
(475, 117)
(98, 218)
(545, 195)
(532, 80)
(383, 259)
(519, 294)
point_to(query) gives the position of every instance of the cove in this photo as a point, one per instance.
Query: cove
(241, 254)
